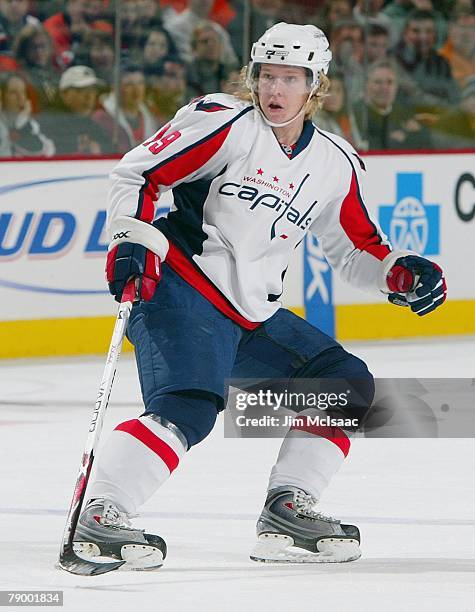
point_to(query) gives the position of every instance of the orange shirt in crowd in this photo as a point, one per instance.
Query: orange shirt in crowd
(60, 33)
(462, 67)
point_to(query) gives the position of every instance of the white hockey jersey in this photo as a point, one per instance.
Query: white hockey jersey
(242, 205)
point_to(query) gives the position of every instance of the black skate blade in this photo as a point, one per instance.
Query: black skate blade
(70, 562)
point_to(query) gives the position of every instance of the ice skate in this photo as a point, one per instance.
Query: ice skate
(290, 530)
(104, 531)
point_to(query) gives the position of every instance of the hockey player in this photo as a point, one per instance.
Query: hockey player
(250, 175)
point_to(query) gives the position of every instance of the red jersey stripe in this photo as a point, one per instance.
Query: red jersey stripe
(192, 275)
(333, 434)
(138, 430)
(357, 225)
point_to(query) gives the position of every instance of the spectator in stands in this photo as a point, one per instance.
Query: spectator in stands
(97, 51)
(348, 49)
(439, 19)
(157, 48)
(71, 127)
(383, 122)
(181, 27)
(377, 46)
(98, 12)
(428, 79)
(264, 14)
(166, 90)
(231, 83)
(68, 27)
(456, 128)
(337, 11)
(5, 145)
(25, 135)
(459, 50)
(369, 12)
(336, 116)
(136, 122)
(296, 12)
(398, 12)
(34, 55)
(45, 8)
(149, 13)
(14, 15)
(462, 5)
(132, 32)
(223, 11)
(206, 72)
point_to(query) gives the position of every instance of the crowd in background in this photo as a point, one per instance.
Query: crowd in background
(402, 75)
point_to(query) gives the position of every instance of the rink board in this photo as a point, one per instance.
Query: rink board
(53, 245)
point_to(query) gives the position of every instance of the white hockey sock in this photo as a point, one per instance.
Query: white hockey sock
(135, 461)
(309, 457)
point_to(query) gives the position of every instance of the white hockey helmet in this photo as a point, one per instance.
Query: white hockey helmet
(287, 44)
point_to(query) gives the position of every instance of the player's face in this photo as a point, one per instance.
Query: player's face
(282, 91)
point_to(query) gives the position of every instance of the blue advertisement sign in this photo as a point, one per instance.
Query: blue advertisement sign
(410, 223)
(318, 288)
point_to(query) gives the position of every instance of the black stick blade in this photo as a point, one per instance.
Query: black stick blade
(70, 562)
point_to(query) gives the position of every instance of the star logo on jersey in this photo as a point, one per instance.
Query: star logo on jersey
(211, 107)
(260, 171)
(291, 185)
(276, 179)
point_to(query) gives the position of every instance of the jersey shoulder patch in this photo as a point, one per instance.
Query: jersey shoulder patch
(215, 103)
(208, 106)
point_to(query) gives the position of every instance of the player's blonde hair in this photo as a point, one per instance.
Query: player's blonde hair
(315, 103)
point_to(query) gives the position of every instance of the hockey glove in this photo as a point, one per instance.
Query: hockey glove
(416, 282)
(129, 260)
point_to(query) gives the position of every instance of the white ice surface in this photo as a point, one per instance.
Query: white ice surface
(414, 501)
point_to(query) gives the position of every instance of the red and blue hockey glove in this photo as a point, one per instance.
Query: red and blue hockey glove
(130, 260)
(416, 282)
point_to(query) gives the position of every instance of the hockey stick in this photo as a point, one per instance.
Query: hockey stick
(68, 560)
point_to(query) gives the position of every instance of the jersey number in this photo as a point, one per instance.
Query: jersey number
(160, 141)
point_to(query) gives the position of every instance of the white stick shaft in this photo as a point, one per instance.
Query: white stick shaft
(98, 414)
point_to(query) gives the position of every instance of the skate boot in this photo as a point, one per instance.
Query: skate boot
(289, 530)
(104, 531)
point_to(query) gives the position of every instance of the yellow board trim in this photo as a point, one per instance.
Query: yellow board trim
(91, 335)
(46, 337)
(377, 321)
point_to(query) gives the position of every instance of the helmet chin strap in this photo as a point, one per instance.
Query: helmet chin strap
(273, 123)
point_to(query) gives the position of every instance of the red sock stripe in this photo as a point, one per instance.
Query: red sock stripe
(334, 434)
(138, 430)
